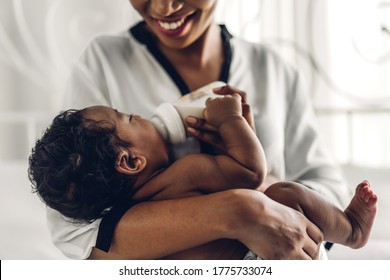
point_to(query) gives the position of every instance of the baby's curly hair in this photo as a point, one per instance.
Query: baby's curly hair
(72, 167)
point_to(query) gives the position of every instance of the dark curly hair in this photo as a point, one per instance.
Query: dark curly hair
(72, 167)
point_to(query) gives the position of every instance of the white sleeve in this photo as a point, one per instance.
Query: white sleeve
(74, 239)
(81, 91)
(307, 159)
(85, 87)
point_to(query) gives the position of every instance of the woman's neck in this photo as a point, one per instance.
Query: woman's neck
(203, 58)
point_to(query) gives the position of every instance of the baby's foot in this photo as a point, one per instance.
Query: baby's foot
(361, 213)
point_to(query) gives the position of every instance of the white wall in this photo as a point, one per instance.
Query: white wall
(38, 41)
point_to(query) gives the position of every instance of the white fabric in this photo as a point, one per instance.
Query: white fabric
(118, 71)
(74, 240)
(252, 256)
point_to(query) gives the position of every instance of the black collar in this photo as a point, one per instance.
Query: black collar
(142, 35)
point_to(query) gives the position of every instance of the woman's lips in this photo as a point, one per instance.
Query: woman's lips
(173, 27)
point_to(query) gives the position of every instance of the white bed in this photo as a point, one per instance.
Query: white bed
(23, 233)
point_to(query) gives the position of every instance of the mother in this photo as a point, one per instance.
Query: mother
(176, 49)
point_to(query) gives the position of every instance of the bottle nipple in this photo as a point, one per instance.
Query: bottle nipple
(169, 124)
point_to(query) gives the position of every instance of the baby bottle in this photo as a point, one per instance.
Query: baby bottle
(169, 117)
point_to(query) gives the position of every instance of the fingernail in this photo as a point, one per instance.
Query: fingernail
(191, 131)
(191, 120)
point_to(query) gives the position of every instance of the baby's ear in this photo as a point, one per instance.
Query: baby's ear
(129, 164)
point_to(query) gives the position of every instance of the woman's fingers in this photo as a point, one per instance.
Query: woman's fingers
(312, 248)
(199, 124)
(209, 137)
(205, 132)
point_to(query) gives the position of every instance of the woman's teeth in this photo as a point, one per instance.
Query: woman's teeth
(171, 25)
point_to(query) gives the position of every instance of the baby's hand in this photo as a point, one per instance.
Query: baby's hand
(219, 110)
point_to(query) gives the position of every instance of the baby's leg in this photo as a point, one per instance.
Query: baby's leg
(361, 212)
(351, 227)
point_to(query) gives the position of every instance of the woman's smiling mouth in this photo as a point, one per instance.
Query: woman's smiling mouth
(173, 27)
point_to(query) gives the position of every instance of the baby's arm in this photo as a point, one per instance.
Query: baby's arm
(242, 166)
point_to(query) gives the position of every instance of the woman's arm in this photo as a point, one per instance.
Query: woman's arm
(152, 230)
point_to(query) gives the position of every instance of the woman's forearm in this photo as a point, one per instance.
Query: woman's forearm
(152, 230)
(156, 229)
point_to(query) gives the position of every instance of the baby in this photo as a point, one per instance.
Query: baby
(90, 160)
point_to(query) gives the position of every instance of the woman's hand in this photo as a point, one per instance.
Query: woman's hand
(274, 231)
